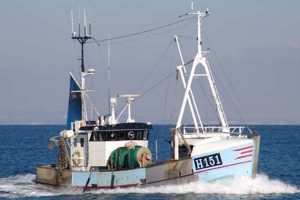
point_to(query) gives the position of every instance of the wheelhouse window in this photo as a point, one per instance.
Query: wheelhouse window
(82, 142)
(119, 135)
(145, 135)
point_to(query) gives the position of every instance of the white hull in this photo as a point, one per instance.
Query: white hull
(211, 159)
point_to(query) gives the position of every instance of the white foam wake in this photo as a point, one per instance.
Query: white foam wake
(237, 186)
(24, 186)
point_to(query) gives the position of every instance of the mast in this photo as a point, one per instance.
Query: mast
(191, 99)
(199, 60)
(82, 39)
(108, 75)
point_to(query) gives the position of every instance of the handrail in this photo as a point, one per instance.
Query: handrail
(190, 130)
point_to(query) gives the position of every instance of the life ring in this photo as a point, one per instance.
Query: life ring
(77, 158)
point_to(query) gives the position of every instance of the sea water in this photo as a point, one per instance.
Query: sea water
(23, 147)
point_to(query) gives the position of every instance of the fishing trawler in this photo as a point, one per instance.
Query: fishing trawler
(107, 153)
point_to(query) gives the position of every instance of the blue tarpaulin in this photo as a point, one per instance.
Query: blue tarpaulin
(75, 103)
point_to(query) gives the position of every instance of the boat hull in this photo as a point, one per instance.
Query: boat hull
(238, 158)
(170, 171)
(225, 158)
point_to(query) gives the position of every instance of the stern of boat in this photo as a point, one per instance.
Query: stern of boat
(50, 175)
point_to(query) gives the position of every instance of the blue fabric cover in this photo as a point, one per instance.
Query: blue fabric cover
(75, 103)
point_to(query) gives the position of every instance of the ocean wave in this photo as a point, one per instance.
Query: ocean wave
(25, 186)
(262, 184)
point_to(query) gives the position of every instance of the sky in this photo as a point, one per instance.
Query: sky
(254, 54)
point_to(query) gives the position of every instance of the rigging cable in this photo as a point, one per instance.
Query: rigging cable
(222, 67)
(151, 35)
(148, 90)
(168, 85)
(143, 32)
(187, 37)
(211, 106)
(223, 91)
(156, 65)
(140, 33)
(172, 117)
(157, 84)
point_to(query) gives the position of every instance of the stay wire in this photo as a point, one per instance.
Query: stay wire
(168, 86)
(139, 33)
(222, 67)
(157, 84)
(212, 107)
(152, 35)
(187, 37)
(156, 65)
(223, 91)
(143, 32)
(154, 86)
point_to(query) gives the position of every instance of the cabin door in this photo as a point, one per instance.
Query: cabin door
(79, 152)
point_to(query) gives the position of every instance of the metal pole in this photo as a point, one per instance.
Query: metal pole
(82, 56)
(156, 150)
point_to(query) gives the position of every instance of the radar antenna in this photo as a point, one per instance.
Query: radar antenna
(129, 98)
(82, 39)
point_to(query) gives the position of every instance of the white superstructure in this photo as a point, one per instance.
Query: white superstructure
(189, 135)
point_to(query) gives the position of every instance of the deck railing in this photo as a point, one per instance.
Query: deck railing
(190, 130)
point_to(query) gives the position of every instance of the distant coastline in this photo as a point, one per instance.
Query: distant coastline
(166, 124)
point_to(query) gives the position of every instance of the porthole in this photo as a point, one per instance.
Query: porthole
(130, 134)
